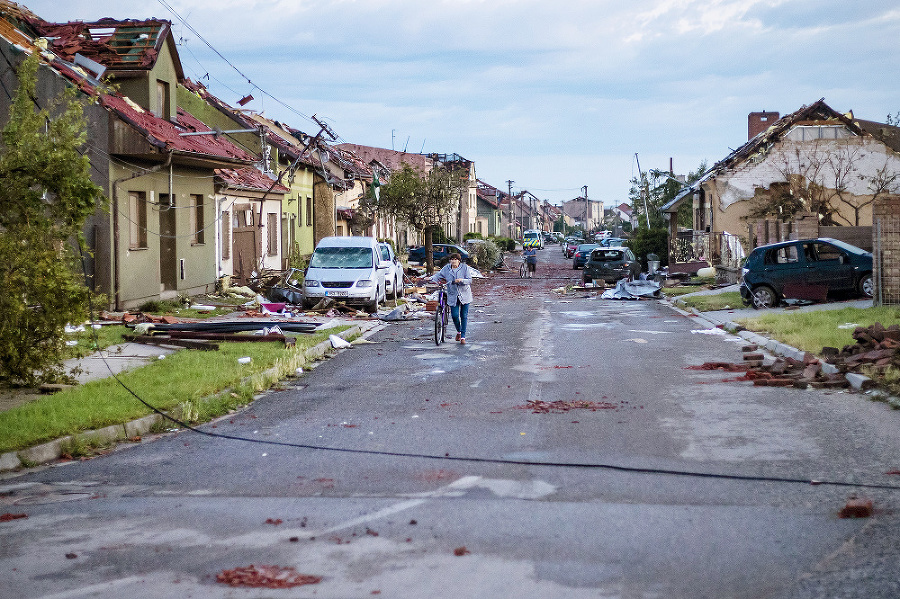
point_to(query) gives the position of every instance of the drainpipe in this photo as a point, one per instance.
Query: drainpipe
(115, 208)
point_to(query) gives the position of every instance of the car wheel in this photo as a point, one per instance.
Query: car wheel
(764, 297)
(867, 285)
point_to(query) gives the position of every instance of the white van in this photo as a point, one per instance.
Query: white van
(348, 269)
(534, 234)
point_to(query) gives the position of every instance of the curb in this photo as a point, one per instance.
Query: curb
(53, 450)
(858, 382)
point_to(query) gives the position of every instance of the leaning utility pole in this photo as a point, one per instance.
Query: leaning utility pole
(643, 190)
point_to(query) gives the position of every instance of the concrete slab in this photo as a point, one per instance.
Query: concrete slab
(115, 359)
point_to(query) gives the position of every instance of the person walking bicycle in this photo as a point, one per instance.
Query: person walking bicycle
(458, 277)
(530, 256)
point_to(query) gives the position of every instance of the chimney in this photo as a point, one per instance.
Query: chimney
(760, 121)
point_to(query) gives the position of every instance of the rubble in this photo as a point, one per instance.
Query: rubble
(876, 347)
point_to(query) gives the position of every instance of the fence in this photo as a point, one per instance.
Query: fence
(886, 253)
(717, 249)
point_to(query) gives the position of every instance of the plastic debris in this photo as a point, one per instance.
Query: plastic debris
(244, 360)
(338, 343)
(633, 290)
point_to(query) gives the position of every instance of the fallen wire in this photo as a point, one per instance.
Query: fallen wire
(476, 460)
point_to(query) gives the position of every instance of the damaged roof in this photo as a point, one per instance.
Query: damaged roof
(817, 113)
(166, 135)
(130, 45)
(249, 179)
(390, 158)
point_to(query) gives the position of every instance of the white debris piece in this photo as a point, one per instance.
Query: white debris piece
(338, 343)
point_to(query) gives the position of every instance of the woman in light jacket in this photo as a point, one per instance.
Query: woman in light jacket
(458, 277)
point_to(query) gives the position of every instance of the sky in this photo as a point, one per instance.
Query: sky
(552, 96)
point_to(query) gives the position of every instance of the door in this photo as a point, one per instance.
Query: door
(827, 265)
(168, 268)
(244, 243)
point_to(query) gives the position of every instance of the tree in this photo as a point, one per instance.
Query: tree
(421, 200)
(46, 196)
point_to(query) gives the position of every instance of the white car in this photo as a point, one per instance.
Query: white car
(347, 269)
(393, 277)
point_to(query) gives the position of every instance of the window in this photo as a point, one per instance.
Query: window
(309, 211)
(825, 251)
(272, 234)
(784, 255)
(162, 100)
(137, 217)
(226, 235)
(197, 219)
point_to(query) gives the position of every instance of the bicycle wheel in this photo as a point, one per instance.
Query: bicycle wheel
(439, 323)
(445, 319)
(523, 271)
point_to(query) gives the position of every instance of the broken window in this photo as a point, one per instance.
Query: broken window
(137, 220)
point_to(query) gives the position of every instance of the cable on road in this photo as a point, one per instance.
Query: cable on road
(481, 460)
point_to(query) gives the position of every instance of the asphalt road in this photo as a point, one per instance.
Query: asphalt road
(403, 469)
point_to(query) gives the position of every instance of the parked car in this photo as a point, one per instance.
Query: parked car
(440, 251)
(393, 278)
(348, 269)
(570, 246)
(804, 269)
(533, 234)
(581, 254)
(613, 242)
(610, 264)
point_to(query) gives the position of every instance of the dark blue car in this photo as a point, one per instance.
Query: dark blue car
(805, 269)
(441, 253)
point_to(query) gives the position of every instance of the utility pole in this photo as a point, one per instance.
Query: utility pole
(511, 228)
(585, 212)
(643, 190)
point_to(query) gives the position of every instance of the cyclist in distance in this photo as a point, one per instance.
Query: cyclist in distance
(458, 277)
(530, 254)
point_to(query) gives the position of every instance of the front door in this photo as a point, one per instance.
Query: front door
(244, 243)
(168, 268)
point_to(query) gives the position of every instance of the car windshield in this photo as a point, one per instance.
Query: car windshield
(346, 257)
(606, 255)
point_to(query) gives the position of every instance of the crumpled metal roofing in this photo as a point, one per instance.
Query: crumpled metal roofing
(166, 135)
(129, 44)
(249, 179)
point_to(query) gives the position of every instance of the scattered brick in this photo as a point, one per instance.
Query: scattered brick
(857, 508)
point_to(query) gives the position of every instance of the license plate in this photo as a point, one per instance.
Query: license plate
(337, 293)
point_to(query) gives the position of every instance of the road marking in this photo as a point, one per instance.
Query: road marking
(651, 332)
(94, 588)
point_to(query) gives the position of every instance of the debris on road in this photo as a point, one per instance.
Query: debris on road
(9, 517)
(558, 407)
(876, 346)
(856, 508)
(460, 551)
(633, 290)
(272, 577)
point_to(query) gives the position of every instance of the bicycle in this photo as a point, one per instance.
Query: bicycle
(441, 313)
(527, 269)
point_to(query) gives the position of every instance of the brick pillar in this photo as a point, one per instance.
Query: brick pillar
(807, 224)
(886, 233)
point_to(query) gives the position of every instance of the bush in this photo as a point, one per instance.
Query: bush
(487, 254)
(505, 243)
(472, 235)
(650, 241)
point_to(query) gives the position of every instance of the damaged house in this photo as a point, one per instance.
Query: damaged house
(155, 161)
(814, 165)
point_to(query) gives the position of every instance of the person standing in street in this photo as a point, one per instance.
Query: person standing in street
(458, 277)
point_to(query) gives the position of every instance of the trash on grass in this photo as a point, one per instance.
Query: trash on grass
(338, 343)
(244, 360)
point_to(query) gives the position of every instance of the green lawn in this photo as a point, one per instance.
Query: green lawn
(811, 331)
(718, 301)
(201, 384)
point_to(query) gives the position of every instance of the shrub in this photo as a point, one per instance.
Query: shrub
(650, 241)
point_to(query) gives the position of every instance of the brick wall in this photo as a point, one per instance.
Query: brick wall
(886, 224)
(759, 121)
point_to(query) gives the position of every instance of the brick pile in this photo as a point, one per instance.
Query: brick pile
(876, 347)
(789, 372)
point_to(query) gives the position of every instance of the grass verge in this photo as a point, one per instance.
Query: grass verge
(811, 331)
(198, 385)
(719, 301)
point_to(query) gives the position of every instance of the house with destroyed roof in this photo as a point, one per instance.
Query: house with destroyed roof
(815, 164)
(155, 161)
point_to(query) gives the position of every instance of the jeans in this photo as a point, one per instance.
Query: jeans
(460, 314)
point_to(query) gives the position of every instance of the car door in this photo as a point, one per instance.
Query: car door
(827, 265)
(782, 265)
